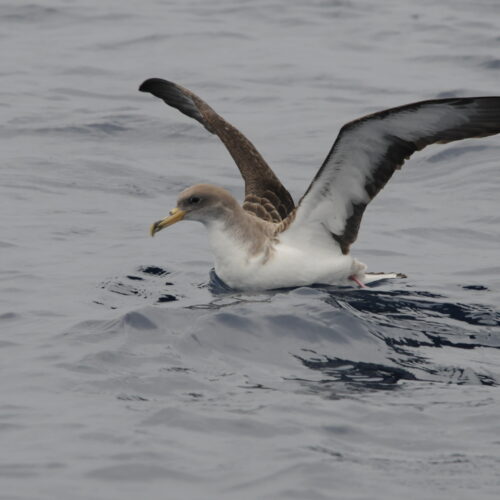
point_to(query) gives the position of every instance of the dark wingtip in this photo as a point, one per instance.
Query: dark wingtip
(174, 95)
(152, 84)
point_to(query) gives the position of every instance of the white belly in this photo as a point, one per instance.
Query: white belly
(286, 267)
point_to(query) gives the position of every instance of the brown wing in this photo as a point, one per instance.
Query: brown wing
(265, 196)
(368, 151)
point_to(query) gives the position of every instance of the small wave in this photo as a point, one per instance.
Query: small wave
(147, 39)
(29, 13)
(370, 339)
(146, 284)
(89, 129)
(492, 64)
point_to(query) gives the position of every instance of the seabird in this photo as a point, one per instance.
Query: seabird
(269, 242)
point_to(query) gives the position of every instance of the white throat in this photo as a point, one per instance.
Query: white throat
(228, 249)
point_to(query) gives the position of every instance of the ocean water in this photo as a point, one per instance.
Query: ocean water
(128, 371)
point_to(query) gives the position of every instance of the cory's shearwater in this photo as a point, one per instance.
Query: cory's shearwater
(269, 242)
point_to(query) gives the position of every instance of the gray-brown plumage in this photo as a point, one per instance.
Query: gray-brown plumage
(264, 194)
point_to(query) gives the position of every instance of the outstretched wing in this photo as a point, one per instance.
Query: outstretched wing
(265, 196)
(368, 150)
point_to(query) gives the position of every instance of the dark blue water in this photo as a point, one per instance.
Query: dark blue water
(129, 370)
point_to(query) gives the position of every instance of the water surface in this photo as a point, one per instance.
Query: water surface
(128, 371)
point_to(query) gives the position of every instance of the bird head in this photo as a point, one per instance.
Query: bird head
(202, 202)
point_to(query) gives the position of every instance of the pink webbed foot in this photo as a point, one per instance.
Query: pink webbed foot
(357, 281)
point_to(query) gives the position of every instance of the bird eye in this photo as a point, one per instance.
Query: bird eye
(194, 200)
